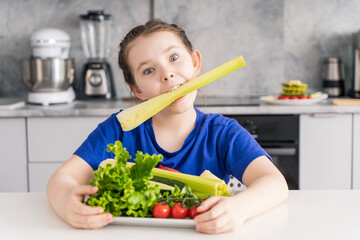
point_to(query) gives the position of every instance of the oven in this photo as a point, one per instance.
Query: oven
(279, 136)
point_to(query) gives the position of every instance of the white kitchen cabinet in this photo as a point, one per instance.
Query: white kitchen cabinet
(56, 139)
(13, 170)
(52, 141)
(325, 151)
(39, 175)
(356, 151)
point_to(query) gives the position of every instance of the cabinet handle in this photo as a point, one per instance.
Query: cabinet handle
(281, 151)
(323, 115)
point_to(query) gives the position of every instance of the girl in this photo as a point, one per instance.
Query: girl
(155, 58)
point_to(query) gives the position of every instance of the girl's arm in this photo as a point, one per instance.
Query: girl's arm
(66, 190)
(266, 188)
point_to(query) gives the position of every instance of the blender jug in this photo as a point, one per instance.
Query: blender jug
(97, 79)
(95, 34)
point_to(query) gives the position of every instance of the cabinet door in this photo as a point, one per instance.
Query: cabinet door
(13, 170)
(356, 151)
(39, 175)
(56, 139)
(325, 151)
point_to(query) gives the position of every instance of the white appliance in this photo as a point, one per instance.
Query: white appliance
(49, 72)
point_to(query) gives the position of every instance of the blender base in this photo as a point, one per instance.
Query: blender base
(47, 98)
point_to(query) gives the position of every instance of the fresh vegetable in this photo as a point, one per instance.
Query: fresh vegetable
(125, 191)
(132, 117)
(168, 182)
(167, 168)
(294, 88)
(179, 212)
(161, 210)
(208, 174)
(185, 196)
(200, 186)
(193, 212)
(283, 97)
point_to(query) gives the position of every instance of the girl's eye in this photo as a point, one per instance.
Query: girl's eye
(173, 57)
(148, 71)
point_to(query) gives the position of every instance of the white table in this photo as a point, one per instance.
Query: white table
(306, 215)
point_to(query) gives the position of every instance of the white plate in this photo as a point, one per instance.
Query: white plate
(293, 102)
(155, 222)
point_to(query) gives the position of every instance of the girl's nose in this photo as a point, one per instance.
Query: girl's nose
(168, 76)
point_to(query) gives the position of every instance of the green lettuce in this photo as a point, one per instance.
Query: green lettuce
(125, 191)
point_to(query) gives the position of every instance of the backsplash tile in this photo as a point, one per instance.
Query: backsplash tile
(279, 39)
(18, 19)
(315, 30)
(223, 30)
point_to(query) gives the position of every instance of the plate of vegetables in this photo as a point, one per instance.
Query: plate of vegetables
(294, 93)
(139, 193)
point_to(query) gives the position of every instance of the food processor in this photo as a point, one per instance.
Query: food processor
(49, 72)
(97, 81)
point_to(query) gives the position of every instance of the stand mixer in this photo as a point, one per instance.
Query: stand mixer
(97, 80)
(49, 72)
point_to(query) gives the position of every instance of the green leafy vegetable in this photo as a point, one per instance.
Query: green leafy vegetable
(187, 198)
(125, 191)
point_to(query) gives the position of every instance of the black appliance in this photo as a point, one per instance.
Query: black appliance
(279, 136)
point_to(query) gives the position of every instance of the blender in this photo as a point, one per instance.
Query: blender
(97, 81)
(49, 72)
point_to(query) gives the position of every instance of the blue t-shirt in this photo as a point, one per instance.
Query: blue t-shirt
(217, 143)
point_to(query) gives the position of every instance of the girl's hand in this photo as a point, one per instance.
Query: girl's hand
(218, 215)
(80, 215)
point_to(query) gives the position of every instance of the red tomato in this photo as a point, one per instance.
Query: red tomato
(179, 212)
(293, 97)
(193, 212)
(301, 97)
(161, 211)
(283, 97)
(309, 97)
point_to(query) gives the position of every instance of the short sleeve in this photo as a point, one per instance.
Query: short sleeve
(239, 149)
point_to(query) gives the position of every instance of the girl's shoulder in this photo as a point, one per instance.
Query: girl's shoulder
(215, 120)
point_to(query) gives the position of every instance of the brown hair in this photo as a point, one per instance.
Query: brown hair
(154, 25)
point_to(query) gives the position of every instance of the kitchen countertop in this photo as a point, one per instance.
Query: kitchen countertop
(308, 214)
(102, 108)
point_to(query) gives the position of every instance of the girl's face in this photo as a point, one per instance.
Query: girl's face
(160, 63)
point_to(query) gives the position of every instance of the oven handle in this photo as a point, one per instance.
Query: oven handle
(281, 151)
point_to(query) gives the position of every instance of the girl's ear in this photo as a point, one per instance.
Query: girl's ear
(197, 60)
(137, 92)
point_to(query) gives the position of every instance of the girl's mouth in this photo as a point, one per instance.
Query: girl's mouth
(173, 88)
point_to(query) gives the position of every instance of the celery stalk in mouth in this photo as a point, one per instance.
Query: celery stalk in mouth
(132, 117)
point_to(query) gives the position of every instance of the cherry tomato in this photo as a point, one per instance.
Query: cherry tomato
(301, 97)
(293, 97)
(309, 97)
(161, 210)
(283, 97)
(193, 212)
(179, 212)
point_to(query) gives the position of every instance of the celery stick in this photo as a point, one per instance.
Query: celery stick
(203, 185)
(132, 117)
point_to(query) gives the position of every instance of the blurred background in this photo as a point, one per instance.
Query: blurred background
(281, 40)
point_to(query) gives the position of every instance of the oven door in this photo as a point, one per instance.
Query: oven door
(285, 158)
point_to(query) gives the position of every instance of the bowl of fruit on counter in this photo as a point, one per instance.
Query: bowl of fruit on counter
(295, 92)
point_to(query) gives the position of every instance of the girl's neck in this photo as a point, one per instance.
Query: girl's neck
(171, 130)
(165, 120)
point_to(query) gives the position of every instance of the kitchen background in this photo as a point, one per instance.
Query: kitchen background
(280, 40)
